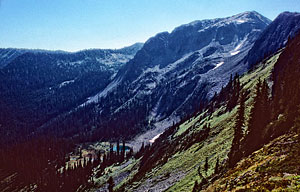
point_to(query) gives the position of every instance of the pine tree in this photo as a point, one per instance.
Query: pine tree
(99, 157)
(142, 147)
(104, 162)
(259, 118)
(118, 148)
(123, 150)
(111, 184)
(217, 166)
(130, 152)
(206, 165)
(195, 188)
(111, 154)
(251, 138)
(297, 122)
(265, 106)
(235, 153)
(233, 91)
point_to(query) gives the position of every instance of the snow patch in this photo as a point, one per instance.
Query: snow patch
(234, 53)
(159, 72)
(237, 48)
(114, 58)
(103, 93)
(65, 83)
(168, 67)
(154, 138)
(151, 85)
(159, 128)
(218, 65)
(75, 63)
(240, 21)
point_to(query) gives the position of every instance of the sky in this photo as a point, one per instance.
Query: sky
(73, 25)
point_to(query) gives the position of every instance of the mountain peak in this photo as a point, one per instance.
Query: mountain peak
(250, 16)
(245, 17)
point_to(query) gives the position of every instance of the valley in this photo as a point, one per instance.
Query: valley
(212, 105)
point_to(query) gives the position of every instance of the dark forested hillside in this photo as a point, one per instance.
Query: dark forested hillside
(38, 86)
(275, 36)
(286, 89)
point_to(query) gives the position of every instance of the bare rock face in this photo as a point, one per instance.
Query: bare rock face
(190, 63)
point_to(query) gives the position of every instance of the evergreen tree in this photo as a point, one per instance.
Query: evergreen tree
(297, 122)
(104, 162)
(142, 148)
(206, 165)
(111, 184)
(195, 188)
(123, 150)
(199, 172)
(259, 118)
(235, 153)
(217, 166)
(111, 154)
(99, 157)
(118, 148)
(265, 104)
(234, 90)
(130, 152)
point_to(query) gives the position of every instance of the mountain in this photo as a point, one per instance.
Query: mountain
(38, 85)
(194, 154)
(177, 157)
(213, 131)
(175, 73)
(274, 166)
(276, 35)
(7, 55)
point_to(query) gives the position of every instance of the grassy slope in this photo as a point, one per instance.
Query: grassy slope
(275, 167)
(121, 173)
(185, 164)
(218, 145)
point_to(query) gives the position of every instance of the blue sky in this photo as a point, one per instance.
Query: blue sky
(82, 24)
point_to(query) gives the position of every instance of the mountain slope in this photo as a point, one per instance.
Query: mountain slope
(175, 73)
(174, 159)
(274, 167)
(276, 35)
(7, 55)
(39, 85)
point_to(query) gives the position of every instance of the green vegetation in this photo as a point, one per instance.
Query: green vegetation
(126, 168)
(275, 167)
(187, 164)
(183, 165)
(221, 134)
